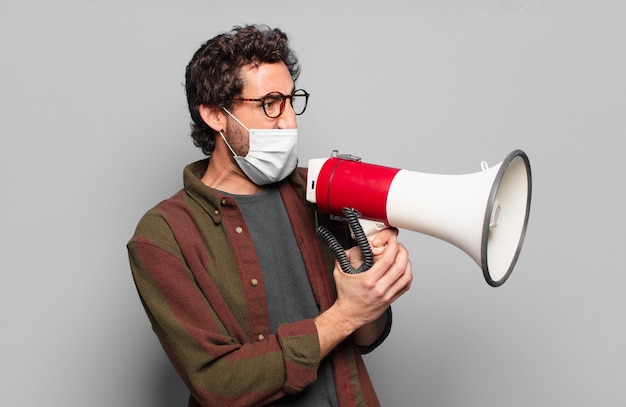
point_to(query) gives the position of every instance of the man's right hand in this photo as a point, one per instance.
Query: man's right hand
(363, 298)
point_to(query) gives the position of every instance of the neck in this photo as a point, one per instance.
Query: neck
(224, 174)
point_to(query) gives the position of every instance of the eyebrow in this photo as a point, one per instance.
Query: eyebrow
(293, 89)
(290, 93)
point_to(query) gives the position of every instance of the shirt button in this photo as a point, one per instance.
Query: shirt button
(254, 282)
(261, 338)
(217, 212)
(239, 229)
(223, 201)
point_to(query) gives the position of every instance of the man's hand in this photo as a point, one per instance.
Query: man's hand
(363, 298)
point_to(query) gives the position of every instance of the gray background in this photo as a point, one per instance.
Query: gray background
(94, 131)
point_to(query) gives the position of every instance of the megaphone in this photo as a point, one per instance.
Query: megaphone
(485, 213)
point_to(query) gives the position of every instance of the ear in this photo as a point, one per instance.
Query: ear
(214, 117)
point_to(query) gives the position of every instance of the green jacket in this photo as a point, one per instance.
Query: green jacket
(196, 272)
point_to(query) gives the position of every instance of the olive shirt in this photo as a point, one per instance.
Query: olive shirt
(198, 277)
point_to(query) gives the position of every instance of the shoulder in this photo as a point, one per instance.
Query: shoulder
(155, 225)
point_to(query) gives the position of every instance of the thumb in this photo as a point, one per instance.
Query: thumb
(355, 256)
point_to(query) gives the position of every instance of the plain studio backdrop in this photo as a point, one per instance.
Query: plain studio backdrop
(94, 131)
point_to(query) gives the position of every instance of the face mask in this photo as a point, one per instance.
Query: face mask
(272, 156)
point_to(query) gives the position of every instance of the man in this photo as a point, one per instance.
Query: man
(250, 306)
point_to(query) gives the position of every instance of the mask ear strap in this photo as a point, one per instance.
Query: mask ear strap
(227, 145)
(234, 118)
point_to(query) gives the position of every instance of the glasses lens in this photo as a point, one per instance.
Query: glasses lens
(273, 104)
(299, 101)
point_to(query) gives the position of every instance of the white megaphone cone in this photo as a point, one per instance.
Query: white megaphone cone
(485, 214)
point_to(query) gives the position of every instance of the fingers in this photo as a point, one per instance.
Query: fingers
(399, 275)
(378, 242)
(386, 249)
(391, 274)
(355, 256)
(404, 279)
(396, 273)
(364, 296)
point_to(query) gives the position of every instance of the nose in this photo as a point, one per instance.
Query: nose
(287, 120)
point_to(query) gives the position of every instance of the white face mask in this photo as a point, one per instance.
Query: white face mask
(272, 156)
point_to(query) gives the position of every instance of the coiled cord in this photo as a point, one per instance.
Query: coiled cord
(332, 243)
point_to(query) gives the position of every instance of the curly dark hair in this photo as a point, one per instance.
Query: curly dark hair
(212, 76)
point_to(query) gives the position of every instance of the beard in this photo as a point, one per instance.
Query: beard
(237, 137)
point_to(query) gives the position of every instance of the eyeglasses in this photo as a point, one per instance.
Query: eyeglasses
(274, 102)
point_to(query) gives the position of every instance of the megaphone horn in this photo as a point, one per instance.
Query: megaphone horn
(485, 214)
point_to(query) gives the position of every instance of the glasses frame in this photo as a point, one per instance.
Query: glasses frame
(283, 99)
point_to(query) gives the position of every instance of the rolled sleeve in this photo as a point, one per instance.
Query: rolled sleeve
(301, 353)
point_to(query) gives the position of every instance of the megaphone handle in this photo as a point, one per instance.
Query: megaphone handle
(339, 252)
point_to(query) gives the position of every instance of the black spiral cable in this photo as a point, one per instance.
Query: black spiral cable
(332, 243)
